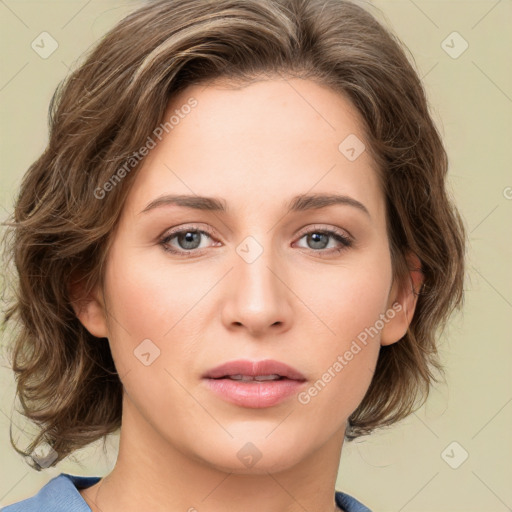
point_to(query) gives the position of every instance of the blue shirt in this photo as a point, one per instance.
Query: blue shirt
(61, 494)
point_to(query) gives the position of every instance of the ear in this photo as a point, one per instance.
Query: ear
(89, 308)
(402, 301)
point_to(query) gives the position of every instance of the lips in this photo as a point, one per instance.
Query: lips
(244, 370)
(254, 384)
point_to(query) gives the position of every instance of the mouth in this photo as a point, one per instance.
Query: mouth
(254, 384)
(247, 371)
(255, 378)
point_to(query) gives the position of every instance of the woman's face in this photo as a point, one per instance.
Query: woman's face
(272, 275)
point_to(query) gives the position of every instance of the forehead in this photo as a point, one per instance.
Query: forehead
(259, 144)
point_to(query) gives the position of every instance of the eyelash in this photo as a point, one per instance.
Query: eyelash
(344, 240)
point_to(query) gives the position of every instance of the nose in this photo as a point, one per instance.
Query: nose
(258, 298)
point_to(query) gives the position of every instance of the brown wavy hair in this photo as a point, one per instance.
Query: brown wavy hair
(103, 113)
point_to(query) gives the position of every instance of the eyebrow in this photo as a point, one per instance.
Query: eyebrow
(299, 203)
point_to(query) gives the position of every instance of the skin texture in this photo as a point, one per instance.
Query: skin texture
(255, 147)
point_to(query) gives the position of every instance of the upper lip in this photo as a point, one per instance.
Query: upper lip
(253, 369)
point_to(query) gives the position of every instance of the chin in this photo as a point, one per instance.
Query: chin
(244, 456)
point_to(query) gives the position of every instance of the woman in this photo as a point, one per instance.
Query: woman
(237, 250)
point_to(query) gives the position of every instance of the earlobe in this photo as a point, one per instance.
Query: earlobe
(402, 302)
(89, 309)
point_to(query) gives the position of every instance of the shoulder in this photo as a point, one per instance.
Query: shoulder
(349, 504)
(60, 494)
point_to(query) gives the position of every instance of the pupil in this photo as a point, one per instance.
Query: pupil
(316, 240)
(189, 240)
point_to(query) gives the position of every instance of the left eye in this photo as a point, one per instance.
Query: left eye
(319, 240)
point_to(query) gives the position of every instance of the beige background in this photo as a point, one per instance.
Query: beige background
(471, 99)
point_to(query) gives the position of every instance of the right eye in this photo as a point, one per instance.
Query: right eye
(188, 241)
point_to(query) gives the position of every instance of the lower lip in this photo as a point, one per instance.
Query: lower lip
(254, 394)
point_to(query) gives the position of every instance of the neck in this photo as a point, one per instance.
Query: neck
(154, 474)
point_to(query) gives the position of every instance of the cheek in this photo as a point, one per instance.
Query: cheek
(154, 301)
(346, 299)
(348, 302)
(149, 299)
(344, 363)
